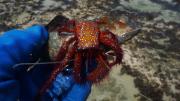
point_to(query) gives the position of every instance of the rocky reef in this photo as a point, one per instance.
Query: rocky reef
(151, 66)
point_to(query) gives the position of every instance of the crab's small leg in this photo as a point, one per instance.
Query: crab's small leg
(101, 70)
(58, 69)
(77, 67)
(108, 39)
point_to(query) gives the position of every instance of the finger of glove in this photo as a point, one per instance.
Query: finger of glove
(17, 45)
(60, 85)
(78, 92)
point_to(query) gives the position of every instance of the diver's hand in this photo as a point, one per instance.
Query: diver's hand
(64, 88)
(17, 46)
(21, 46)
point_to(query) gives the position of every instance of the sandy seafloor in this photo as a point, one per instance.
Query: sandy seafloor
(151, 66)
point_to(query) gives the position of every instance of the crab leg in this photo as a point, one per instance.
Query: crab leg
(110, 40)
(77, 67)
(58, 69)
(64, 48)
(101, 70)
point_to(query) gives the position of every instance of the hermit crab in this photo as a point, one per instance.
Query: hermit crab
(88, 42)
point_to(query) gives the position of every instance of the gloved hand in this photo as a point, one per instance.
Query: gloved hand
(64, 88)
(20, 46)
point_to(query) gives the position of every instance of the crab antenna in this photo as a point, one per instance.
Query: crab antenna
(33, 64)
(127, 36)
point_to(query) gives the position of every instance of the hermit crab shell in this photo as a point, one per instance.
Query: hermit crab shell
(55, 42)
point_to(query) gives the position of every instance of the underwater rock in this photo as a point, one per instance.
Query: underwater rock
(151, 59)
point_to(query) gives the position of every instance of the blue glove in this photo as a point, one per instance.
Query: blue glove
(20, 46)
(66, 88)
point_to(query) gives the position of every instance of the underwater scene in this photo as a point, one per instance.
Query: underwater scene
(150, 66)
